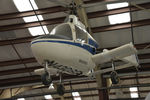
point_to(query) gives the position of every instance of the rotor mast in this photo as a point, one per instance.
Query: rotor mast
(82, 14)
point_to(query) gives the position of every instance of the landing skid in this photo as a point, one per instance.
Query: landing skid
(47, 80)
(114, 75)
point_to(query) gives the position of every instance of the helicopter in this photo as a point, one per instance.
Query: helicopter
(70, 49)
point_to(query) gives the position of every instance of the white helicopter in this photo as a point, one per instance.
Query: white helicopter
(70, 49)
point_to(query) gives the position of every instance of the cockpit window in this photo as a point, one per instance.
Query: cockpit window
(81, 35)
(63, 31)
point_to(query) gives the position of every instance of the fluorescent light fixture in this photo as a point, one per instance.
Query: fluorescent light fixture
(118, 18)
(134, 95)
(48, 97)
(22, 5)
(34, 4)
(21, 99)
(45, 29)
(32, 18)
(117, 5)
(133, 91)
(36, 30)
(76, 95)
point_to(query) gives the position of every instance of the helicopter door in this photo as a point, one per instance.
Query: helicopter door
(81, 35)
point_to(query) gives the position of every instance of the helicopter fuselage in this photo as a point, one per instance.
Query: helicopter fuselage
(69, 47)
(67, 56)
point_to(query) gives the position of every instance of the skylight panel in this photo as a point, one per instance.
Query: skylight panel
(45, 29)
(25, 5)
(134, 95)
(21, 99)
(34, 5)
(22, 5)
(36, 30)
(133, 89)
(76, 95)
(48, 97)
(118, 18)
(32, 18)
(117, 5)
(134, 92)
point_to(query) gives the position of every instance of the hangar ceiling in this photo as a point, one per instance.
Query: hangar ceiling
(17, 62)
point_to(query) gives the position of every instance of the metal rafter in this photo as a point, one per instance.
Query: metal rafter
(61, 19)
(17, 62)
(55, 9)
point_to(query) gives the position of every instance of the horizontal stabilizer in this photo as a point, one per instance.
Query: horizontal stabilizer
(131, 59)
(114, 54)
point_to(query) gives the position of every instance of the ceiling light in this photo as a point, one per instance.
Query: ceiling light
(133, 89)
(133, 92)
(22, 5)
(21, 99)
(76, 95)
(32, 18)
(34, 4)
(117, 5)
(119, 18)
(48, 97)
(134, 95)
(36, 31)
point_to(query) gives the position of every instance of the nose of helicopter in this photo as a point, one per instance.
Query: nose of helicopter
(50, 48)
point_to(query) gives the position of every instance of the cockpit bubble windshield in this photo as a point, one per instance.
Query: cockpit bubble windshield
(64, 31)
(81, 34)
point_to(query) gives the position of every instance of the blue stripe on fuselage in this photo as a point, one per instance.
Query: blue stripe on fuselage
(84, 46)
(93, 43)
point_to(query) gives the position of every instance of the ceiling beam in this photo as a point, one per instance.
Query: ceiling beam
(20, 80)
(56, 9)
(85, 89)
(17, 40)
(144, 67)
(117, 11)
(60, 20)
(33, 60)
(35, 78)
(31, 79)
(31, 24)
(42, 11)
(121, 26)
(17, 62)
(19, 70)
(92, 15)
